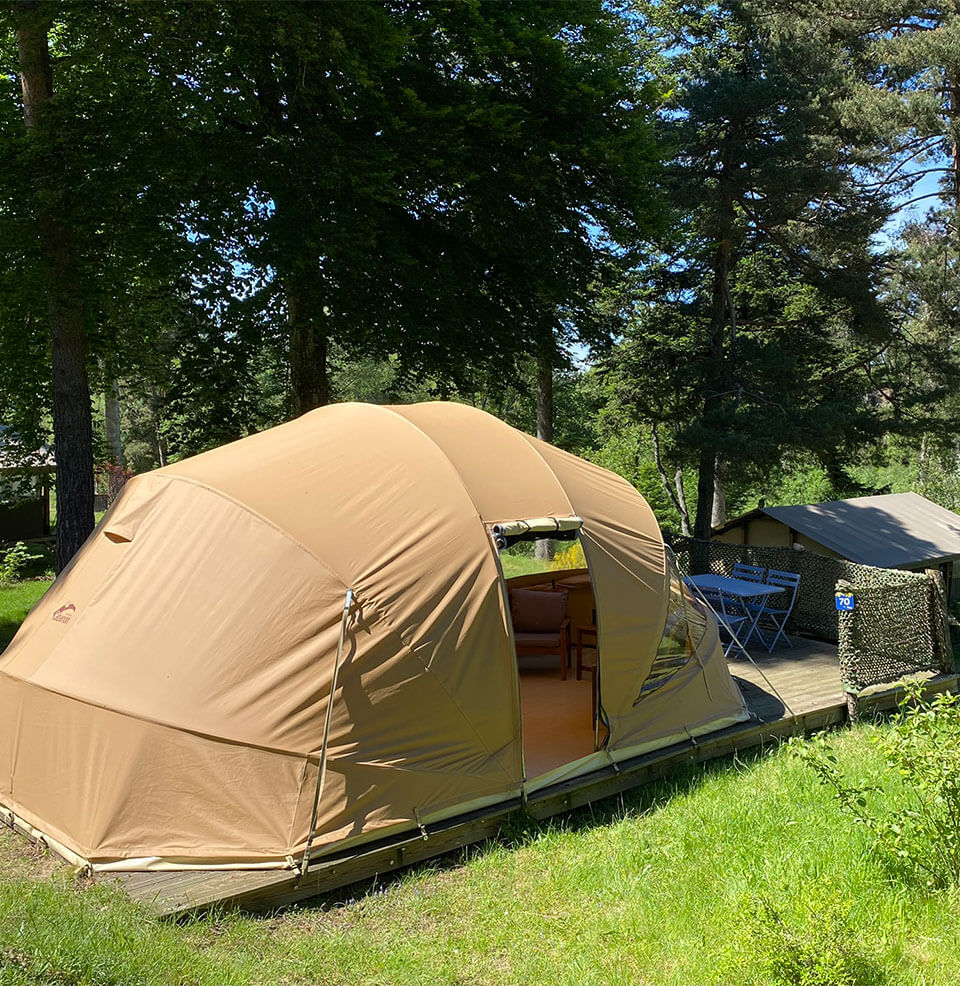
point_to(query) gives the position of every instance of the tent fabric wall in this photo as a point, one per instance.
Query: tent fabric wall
(165, 700)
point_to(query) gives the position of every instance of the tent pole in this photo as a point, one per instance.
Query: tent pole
(322, 771)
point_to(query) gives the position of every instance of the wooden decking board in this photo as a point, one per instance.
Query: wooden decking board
(798, 691)
(169, 893)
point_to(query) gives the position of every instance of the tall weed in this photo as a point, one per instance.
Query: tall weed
(913, 814)
(809, 942)
(568, 557)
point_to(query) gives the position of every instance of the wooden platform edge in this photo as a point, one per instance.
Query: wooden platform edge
(884, 699)
(628, 774)
(170, 894)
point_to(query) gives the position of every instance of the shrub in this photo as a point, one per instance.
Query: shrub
(915, 818)
(570, 556)
(111, 479)
(13, 561)
(809, 943)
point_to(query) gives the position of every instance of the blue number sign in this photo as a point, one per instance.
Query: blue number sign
(844, 602)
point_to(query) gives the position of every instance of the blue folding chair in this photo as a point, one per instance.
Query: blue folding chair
(748, 573)
(728, 618)
(728, 626)
(776, 618)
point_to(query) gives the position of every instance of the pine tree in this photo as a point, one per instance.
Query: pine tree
(761, 315)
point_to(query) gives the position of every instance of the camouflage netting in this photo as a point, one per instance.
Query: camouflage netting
(896, 628)
(897, 625)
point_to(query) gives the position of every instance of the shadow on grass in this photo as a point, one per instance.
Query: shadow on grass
(8, 629)
(521, 829)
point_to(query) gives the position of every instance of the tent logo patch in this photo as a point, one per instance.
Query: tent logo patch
(64, 613)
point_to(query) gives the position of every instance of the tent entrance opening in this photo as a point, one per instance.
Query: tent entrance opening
(553, 609)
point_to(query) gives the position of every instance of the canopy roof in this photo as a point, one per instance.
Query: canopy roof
(894, 530)
(15, 458)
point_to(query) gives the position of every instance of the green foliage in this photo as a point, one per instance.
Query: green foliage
(928, 463)
(513, 399)
(902, 61)
(754, 329)
(914, 819)
(802, 484)
(17, 487)
(798, 477)
(442, 184)
(810, 942)
(446, 187)
(626, 449)
(14, 561)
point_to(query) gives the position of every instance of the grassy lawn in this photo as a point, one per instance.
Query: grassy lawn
(714, 878)
(520, 565)
(15, 603)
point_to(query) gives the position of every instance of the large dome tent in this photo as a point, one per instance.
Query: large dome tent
(167, 703)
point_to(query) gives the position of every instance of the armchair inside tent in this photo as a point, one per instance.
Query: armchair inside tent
(540, 623)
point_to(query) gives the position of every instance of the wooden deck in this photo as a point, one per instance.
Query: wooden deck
(791, 682)
(791, 691)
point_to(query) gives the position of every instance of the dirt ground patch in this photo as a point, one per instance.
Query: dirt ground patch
(22, 859)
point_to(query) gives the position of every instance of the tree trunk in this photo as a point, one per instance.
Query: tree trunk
(922, 462)
(161, 449)
(709, 455)
(544, 398)
(953, 110)
(682, 500)
(545, 548)
(676, 492)
(717, 380)
(705, 483)
(111, 421)
(718, 514)
(309, 384)
(72, 420)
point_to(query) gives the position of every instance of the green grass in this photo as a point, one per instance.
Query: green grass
(15, 603)
(710, 879)
(521, 565)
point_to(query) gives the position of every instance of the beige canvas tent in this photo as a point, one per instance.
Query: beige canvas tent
(166, 703)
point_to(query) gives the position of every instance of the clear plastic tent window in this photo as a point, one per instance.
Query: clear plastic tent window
(683, 632)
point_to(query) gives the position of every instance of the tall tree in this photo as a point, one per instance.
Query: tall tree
(71, 387)
(446, 182)
(93, 179)
(770, 208)
(902, 59)
(922, 373)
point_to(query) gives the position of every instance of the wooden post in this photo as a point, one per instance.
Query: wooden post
(45, 488)
(939, 613)
(853, 710)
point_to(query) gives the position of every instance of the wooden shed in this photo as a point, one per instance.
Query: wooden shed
(894, 530)
(24, 492)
